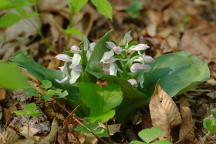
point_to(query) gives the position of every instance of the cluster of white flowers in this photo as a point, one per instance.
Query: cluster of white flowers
(72, 66)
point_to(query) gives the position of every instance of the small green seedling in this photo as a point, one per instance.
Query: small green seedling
(28, 110)
(30, 91)
(135, 8)
(51, 91)
(210, 125)
(183, 23)
(149, 136)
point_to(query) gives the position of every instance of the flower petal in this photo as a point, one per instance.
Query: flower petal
(92, 46)
(64, 69)
(107, 55)
(148, 58)
(63, 80)
(63, 57)
(75, 49)
(137, 66)
(76, 59)
(77, 68)
(112, 69)
(133, 82)
(138, 47)
(74, 76)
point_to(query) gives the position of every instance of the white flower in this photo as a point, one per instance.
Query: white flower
(138, 48)
(115, 48)
(144, 58)
(63, 57)
(137, 66)
(76, 68)
(112, 69)
(75, 49)
(133, 82)
(91, 49)
(108, 57)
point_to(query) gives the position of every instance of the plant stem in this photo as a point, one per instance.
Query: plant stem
(205, 137)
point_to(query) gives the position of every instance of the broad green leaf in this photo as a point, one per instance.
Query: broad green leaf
(42, 73)
(46, 84)
(9, 19)
(30, 92)
(73, 31)
(7, 4)
(94, 66)
(133, 99)
(135, 8)
(102, 117)
(137, 142)
(177, 73)
(214, 112)
(150, 134)
(210, 125)
(76, 5)
(104, 7)
(99, 100)
(11, 77)
(96, 128)
(162, 142)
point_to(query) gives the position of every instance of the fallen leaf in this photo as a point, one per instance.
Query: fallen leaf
(187, 126)
(164, 112)
(114, 128)
(54, 63)
(51, 136)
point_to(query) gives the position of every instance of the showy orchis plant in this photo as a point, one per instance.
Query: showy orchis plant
(107, 79)
(124, 61)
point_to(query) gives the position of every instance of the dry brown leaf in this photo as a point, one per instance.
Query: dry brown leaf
(187, 126)
(10, 136)
(164, 112)
(54, 63)
(51, 136)
(2, 94)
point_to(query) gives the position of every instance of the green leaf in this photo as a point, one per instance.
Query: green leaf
(210, 124)
(30, 92)
(177, 73)
(76, 5)
(11, 77)
(29, 110)
(46, 84)
(104, 7)
(26, 14)
(162, 142)
(94, 66)
(42, 73)
(135, 8)
(9, 19)
(96, 128)
(137, 142)
(150, 134)
(100, 101)
(7, 4)
(214, 112)
(73, 31)
(48, 94)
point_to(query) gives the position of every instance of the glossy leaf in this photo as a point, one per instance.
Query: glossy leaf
(100, 101)
(73, 31)
(42, 73)
(11, 77)
(7, 4)
(177, 73)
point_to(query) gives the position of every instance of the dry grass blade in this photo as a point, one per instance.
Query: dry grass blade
(187, 126)
(164, 112)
